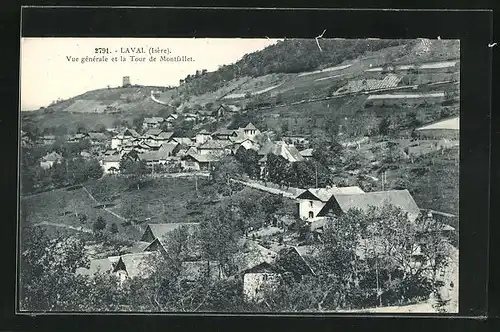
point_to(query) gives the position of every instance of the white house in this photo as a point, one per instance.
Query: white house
(313, 200)
(111, 164)
(50, 159)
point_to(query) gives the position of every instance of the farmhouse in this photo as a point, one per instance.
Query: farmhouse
(160, 156)
(154, 122)
(111, 163)
(50, 159)
(225, 134)
(105, 265)
(157, 235)
(443, 129)
(159, 231)
(313, 200)
(339, 204)
(215, 147)
(198, 162)
(280, 148)
(137, 265)
(126, 135)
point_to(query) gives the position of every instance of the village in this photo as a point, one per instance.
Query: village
(318, 184)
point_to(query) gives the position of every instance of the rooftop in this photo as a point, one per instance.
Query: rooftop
(449, 124)
(324, 194)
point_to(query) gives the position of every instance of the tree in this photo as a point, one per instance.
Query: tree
(278, 169)
(47, 275)
(137, 123)
(225, 169)
(114, 228)
(136, 170)
(99, 225)
(218, 235)
(249, 160)
(384, 126)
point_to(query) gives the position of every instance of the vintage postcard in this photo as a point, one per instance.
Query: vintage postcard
(239, 175)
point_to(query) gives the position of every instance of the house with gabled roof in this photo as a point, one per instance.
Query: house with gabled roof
(136, 265)
(50, 159)
(160, 156)
(216, 147)
(198, 162)
(104, 266)
(342, 203)
(111, 163)
(313, 200)
(154, 122)
(224, 134)
(158, 231)
(158, 236)
(123, 137)
(442, 129)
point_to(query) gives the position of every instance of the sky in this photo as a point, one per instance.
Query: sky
(47, 74)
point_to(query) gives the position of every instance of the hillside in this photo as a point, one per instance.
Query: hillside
(109, 107)
(284, 78)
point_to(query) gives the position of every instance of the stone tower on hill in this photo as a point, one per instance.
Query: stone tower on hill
(126, 81)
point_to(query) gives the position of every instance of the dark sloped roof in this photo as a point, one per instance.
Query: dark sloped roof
(97, 136)
(137, 264)
(253, 254)
(214, 144)
(324, 194)
(153, 132)
(250, 126)
(397, 198)
(105, 265)
(203, 158)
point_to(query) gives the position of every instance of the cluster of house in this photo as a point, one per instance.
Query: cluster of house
(159, 147)
(258, 267)
(315, 204)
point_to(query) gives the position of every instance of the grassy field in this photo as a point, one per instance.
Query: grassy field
(65, 207)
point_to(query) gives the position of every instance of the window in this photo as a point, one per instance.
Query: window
(311, 214)
(311, 203)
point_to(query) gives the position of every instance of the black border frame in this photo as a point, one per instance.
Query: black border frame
(473, 28)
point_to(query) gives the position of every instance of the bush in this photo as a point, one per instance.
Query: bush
(114, 228)
(99, 225)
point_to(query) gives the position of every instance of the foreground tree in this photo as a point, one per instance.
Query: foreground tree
(48, 281)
